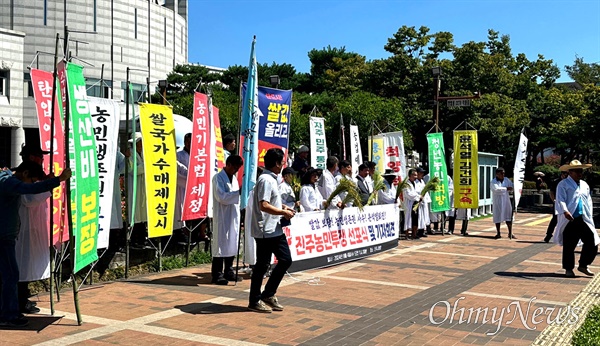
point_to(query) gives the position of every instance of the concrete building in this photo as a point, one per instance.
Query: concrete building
(105, 36)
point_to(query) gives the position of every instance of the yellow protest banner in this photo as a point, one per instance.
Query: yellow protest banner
(466, 182)
(377, 152)
(160, 167)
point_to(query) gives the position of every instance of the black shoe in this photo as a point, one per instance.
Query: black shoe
(30, 309)
(497, 236)
(220, 282)
(15, 322)
(232, 278)
(547, 238)
(465, 233)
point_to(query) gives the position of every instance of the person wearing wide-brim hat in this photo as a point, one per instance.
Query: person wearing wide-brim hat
(575, 209)
(388, 195)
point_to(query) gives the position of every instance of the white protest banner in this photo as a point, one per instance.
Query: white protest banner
(393, 153)
(105, 115)
(323, 238)
(355, 150)
(318, 144)
(519, 170)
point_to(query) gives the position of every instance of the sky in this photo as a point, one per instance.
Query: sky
(220, 31)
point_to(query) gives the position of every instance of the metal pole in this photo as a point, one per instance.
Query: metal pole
(342, 129)
(126, 179)
(50, 170)
(148, 79)
(437, 104)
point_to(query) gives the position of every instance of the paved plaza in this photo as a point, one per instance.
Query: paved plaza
(440, 290)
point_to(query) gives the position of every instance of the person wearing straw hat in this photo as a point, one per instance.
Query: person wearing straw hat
(575, 209)
(387, 195)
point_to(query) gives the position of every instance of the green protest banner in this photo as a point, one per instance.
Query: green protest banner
(440, 199)
(84, 164)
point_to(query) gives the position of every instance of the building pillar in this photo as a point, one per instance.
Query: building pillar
(17, 139)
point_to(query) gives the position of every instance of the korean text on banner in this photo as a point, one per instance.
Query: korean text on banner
(519, 170)
(324, 238)
(440, 198)
(158, 143)
(105, 116)
(84, 163)
(466, 185)
(273, 128)
(249, 130)
(318, 144)
(355, 150)
(42, 92)
(195, 203)
(376, 152)
(393, 153)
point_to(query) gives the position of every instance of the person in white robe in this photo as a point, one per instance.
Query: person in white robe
(575, 220)
(502, 208)
(434, 217)
(310, 197)
(226, 221)
(183, 162)
(423, 210)
(410, 196)
(387, 195)
(326, 183)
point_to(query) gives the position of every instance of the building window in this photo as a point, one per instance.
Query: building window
(27, 86)
(135, 23)
(98, 88)
(4, 82)
(137, 90)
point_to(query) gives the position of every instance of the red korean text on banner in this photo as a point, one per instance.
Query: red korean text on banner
(197, 189)
(42, 92)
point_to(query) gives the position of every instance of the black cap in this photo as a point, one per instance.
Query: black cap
(420, 170)
(287, 170)
(35, 150)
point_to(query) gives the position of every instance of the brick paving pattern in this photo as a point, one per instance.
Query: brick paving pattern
(441, 290)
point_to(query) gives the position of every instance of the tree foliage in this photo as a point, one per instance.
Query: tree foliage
(397, 92)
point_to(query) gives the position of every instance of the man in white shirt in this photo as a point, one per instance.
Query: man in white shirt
(327, 184)
(575, 220)
(288, 197)
(502, 209)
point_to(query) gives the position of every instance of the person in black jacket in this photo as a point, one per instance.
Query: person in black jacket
(362, 184)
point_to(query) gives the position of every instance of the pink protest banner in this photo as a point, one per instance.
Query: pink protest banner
(195, 203)
(42, 92)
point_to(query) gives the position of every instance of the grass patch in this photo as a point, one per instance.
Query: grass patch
(589, 332)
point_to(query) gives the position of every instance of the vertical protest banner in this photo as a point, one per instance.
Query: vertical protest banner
(105, 116)
(249, 129)
(393, 153)
(42, 93)
(440, 198)
(195, 203)
(274, 125)
(318, 144)
(377, 154)
(160, 160)
(519, 169)
(466, 183)
(217, 153)
(355, 150)
(84, 164)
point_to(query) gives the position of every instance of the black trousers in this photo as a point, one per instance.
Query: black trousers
(217, 270)
(265, 248)
(574, 231)
(552, 224)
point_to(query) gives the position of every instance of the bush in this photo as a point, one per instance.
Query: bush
(550, 172)
(529, 185)
(589, 332)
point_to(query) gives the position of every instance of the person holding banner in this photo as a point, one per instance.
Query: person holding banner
(424, 206)
(412, 220)
(310, 197)
(288, 197)
(12, 186)
(300, 163)
(228, 145)
(369, 179)
(32, 250)
(268, 234)
(327, 181)
(226, 221)
(502, 209)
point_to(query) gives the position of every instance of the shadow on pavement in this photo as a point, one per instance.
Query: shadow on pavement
(209, 308)
(534, 242)
(37, 323)
(481, 236)
(532, 276)
(178, 280)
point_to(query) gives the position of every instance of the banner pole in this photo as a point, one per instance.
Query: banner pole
(50, 170)
(343, 130)
(126, 178)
